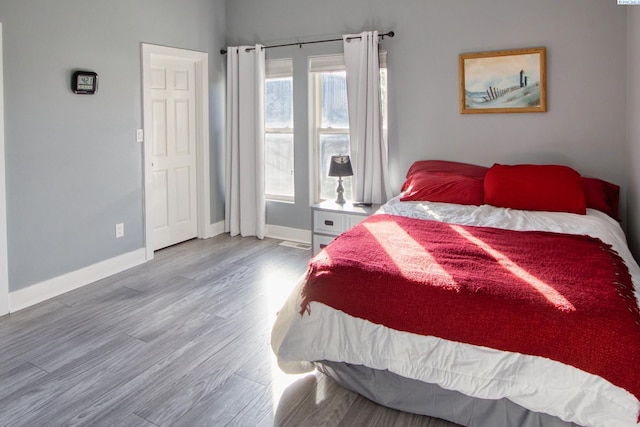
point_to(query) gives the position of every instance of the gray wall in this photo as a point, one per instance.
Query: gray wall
(633, 112)
(585, 126)
(73, 166)
(74, 169)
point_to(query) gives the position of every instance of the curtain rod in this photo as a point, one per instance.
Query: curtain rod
(389, 34)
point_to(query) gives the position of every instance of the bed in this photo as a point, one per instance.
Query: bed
(483, 296)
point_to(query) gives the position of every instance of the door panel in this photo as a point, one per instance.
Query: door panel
(183, 127)
(174, 151)
(161, 200)
(159, 128)
(183, 178)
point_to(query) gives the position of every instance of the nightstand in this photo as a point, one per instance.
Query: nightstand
(329, 219)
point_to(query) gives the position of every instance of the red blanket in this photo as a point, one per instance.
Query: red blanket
(564, 297)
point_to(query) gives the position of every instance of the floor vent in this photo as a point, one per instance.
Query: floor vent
(303, 246)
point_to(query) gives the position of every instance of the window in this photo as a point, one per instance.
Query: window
(330, 118)
(279, 176)
(331, 130)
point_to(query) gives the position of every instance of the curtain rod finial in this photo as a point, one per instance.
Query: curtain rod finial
(391, 34)
(223, 51)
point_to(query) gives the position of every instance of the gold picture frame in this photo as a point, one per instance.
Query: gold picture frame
(503, 81)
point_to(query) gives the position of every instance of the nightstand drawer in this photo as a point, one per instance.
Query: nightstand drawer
(353, 220)
(319, 242)
(328, 222)
(331, 219)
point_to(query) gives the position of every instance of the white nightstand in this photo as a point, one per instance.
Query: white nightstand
(329, 219)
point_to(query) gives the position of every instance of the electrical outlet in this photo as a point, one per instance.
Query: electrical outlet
(139, 135)
(119, 230)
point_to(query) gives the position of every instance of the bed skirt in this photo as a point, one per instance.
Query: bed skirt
(409, 395)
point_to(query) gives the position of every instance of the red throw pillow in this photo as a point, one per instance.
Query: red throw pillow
(464, 169)
(443, 187)
(552, 188)
(601, 195)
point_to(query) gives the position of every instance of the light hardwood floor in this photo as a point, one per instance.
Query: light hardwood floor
(180, 341)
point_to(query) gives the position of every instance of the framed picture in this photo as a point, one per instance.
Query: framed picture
(504, 81)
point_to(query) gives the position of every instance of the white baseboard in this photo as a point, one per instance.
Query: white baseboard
(288, 233)
(42, 291)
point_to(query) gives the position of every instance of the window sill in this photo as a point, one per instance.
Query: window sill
(287, 201)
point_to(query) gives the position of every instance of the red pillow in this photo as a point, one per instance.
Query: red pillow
(443, 187)
(601, 195)
(535, 187)
(464, 169)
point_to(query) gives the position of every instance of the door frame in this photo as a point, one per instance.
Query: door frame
(4, 263)
(203, 193)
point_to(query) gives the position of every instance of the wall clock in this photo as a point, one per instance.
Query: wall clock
(84, 82)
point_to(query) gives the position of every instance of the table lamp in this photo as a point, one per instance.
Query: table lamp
(340, 166)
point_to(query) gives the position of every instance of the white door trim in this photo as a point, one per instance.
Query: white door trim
(201, 61)
(4, 264)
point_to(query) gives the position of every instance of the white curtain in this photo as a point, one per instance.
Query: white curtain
(244, 163)
(369, 151)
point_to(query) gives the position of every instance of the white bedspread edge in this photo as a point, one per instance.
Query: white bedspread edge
(535, 383)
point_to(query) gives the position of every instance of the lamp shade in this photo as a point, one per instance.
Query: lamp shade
(340, 166)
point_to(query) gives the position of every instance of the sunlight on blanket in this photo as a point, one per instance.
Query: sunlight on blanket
(553, 296)
(278, 286)
(432, 213)
(409, 252)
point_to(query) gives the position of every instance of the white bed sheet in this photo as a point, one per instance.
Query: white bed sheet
(536, 383)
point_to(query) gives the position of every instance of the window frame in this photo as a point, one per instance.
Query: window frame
(277, 69)
(318, 65)
(317, 130)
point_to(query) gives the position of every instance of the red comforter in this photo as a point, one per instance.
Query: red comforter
(564, 297)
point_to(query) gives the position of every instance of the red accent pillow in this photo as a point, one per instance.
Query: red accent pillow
(601, 195)
(446, 187)
(464, 169)
(552, 188)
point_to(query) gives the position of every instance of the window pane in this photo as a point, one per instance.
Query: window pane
(279, 164)
(278, 100)
(331, 144)
(335, 113)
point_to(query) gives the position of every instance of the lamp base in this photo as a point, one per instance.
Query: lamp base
(340, 191)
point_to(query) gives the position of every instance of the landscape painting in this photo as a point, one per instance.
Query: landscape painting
(507, 81)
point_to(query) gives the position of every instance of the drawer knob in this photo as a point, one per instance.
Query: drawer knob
(328, 222)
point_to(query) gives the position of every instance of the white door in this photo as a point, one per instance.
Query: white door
(174, 154)
(4, 277)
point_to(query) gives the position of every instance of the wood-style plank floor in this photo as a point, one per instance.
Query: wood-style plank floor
(182, 340)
